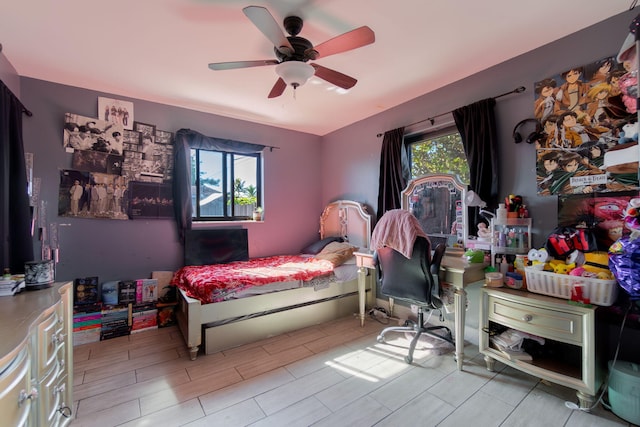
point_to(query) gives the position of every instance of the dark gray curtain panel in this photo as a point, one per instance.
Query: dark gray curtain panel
(394, 171)
(477, 126)
(15, 213)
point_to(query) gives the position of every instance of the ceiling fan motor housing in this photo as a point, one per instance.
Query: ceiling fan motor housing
(302, 50)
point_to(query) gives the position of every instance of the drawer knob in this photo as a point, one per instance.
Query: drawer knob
(65, 411)
(527, 318)
(57, 338)
(33, 395)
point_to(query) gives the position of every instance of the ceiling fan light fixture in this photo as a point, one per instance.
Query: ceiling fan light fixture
(295, 73)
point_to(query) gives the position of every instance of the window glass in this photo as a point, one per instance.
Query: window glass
(225, 186)
(437, 152)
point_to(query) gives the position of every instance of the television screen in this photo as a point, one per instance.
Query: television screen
(217, 246)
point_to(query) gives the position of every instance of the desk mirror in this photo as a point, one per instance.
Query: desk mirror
(437, 200)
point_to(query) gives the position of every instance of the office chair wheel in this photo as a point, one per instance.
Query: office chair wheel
(380, 339)
(408, 359)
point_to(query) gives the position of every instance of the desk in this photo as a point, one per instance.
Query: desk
(454, 270)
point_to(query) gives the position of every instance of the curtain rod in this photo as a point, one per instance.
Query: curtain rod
(431, 119)
(24, 109)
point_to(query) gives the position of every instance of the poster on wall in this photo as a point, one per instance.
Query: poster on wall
(590, 138)
(150, 200)
(87, 133)
(92, 195)
(600, 213)
(116, 111)
(96, 161)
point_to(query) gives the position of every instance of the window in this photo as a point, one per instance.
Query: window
(225, 185)
(437, 152)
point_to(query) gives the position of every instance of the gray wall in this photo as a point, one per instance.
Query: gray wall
(351, 155)
(297, 184)
(9, 76)
(113, 249)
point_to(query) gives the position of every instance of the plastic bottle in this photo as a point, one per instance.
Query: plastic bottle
(504, 267)
(501, 214)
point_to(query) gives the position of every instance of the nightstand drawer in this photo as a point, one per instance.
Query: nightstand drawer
(547, 323)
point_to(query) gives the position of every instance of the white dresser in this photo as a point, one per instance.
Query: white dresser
(570, 329)
(36, 357)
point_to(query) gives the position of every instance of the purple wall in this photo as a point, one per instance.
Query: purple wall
(9, 76)
(113, 249)
(351, 156)
(297, 184)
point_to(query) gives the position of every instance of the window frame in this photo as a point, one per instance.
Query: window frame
(228, 182)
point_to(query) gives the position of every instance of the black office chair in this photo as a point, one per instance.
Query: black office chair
(415, 281)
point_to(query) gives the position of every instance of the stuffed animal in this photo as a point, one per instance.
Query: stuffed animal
(598, 263)
(560, 267)
(538, 258)
(629, 133)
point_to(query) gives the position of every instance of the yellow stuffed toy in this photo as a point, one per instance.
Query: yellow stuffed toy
(598, 262)
(561, 267)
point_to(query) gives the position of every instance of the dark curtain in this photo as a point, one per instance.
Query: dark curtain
(477, 126)
(185, 140)
(394, 171)
(15, 214)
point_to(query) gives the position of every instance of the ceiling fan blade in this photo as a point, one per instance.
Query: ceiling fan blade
(241, 64)
(348, 41)
(265, 22)
(334, 77)
(278, 89)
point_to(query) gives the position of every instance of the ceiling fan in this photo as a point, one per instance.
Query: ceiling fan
(293, 52)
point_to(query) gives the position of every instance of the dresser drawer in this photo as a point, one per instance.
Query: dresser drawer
(547, 323)
(50, 336)
(16, 391)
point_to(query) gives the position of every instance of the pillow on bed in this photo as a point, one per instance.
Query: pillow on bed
(316, 247)
(337, 253)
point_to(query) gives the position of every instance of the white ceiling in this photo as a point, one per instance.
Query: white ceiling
(158, 50)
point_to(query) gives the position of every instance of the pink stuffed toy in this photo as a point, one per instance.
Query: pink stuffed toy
(629, 86)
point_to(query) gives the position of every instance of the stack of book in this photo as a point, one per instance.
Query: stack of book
(87, 323)
(11, 285)
(115, 322)
(144, 317)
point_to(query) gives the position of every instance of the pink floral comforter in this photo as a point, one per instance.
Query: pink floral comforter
(211, 283)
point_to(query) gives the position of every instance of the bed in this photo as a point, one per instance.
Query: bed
(250, 313)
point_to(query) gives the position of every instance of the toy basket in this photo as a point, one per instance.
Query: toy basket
(599, 291)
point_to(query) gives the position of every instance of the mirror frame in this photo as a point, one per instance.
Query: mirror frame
(454, 184)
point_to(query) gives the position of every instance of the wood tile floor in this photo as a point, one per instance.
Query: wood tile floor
(333, 374)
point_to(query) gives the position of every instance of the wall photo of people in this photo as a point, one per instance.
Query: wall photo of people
(108, 162)
(92, 195)
(589, 142)
(116, 111)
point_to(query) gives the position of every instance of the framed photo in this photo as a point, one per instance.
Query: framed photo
(116, 111)
(164, 137)
(147, 139)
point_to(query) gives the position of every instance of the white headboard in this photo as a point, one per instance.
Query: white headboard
(347, 219)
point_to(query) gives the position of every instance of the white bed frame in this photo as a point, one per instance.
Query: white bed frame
(244, 320)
